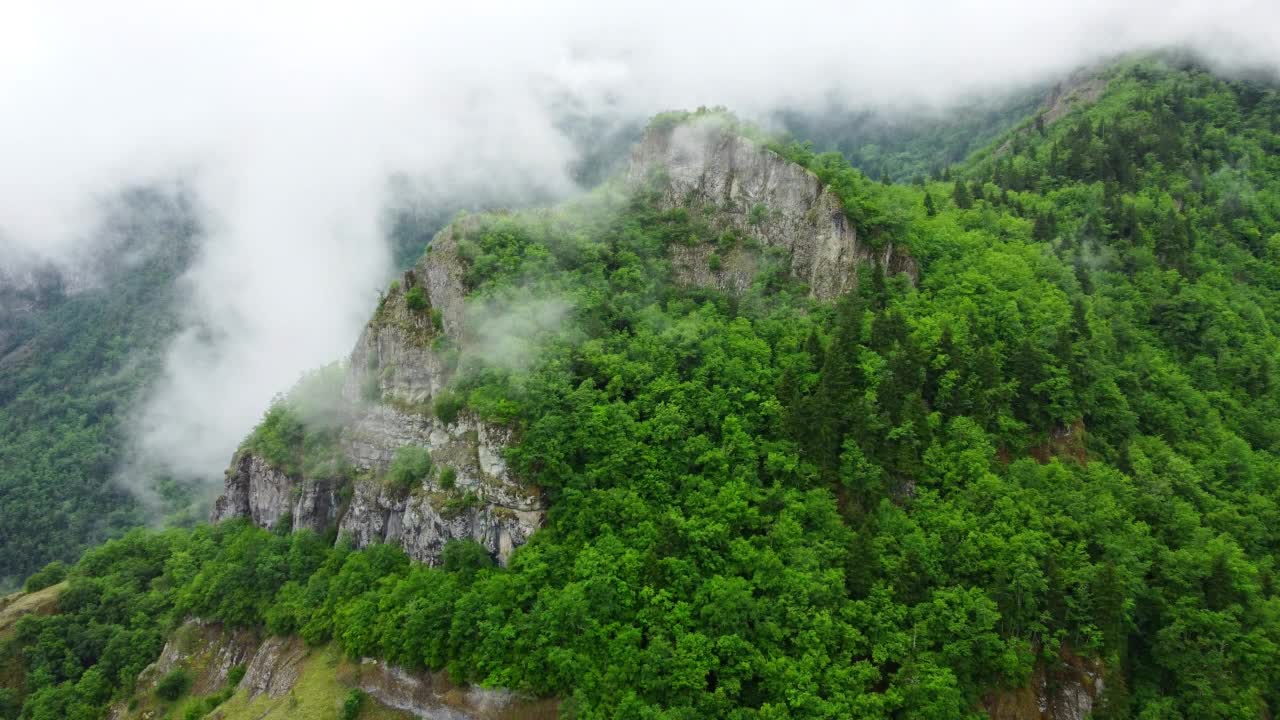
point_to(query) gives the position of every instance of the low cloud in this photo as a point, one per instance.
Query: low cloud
(506, 331)
(285, 121)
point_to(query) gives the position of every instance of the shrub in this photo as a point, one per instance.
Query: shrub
(235, 675)
(10, 703)
(466, 557)
(51, 574)
(447, 405)
(416, 299)
(714, 262)
(758, 214)
(352, 705)
(411, 465)
(278, 438)
(173, 685)
(448, 478)
(455, 506)
(437, 320)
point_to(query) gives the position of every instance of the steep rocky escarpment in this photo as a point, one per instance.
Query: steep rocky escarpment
(395, 377)
(778, 208)
(485, 502)
(433, 695)
(766, 211)
(268, 496)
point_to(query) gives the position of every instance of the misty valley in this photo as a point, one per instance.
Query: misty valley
(819, 410)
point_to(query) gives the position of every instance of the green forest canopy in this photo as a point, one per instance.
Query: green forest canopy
(1062, 441)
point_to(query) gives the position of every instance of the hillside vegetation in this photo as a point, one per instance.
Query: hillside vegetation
(1060, 444)
(71, 370)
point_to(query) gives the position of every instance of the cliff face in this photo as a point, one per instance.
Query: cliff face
(399, 366)
(255, 490)
(782, 209)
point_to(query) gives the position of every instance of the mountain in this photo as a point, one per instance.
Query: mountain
(78, 344)
(744, 433)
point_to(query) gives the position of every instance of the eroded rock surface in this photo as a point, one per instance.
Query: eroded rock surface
(772, 202)
(486, 503)
(206, 651)
(255, 490)
(432, 695)
(275, 667)
(395, 372)
(1068, 689)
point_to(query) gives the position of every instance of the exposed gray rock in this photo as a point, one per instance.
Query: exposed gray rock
(705, 167)
(205, 650)
(393, 377)
(486, 504)
(432, 695)
(1068, 689)
(393, 359)
(275, 667)
(443, 271)
(265, 495)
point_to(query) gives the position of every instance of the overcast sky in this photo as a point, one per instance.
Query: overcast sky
(285, 119)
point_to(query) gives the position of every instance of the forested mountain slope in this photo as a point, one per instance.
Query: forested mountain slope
(1025, 466)
(76, 349)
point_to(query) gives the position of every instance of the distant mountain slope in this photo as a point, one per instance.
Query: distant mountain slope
(902, 146)
(74, 358)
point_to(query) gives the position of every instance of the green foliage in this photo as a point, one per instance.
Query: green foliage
(416, 299)
(352, 704)
(410, 466)
(466, 557)
(173, 685)
(298, 435)
(458, 504)
(74, 365)
(1060, 442)
(908, 148)
(759, 213)
(235, 675)
(201, 707)
(446, 406)
(448, 478)
(51, 574)
(10, 703)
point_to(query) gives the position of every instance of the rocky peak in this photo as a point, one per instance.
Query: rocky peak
(746, 189)
(772, 209)
(397, 371)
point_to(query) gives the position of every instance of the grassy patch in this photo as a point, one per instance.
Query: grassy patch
(319, 694)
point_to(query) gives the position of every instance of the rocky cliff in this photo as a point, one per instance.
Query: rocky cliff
(774, 206)
(771, 209)
(395, 373)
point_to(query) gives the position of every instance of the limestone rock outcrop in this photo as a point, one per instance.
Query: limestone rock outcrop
(748, 189)
(395, 372)
(404, 359)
